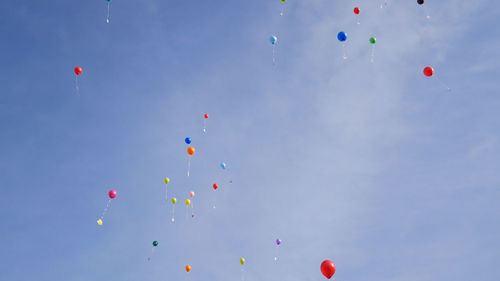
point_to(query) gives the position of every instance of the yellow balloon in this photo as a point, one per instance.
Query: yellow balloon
(167, 180)
(283, 1)
(188, 202)
(99, 222)
(242, 261)
(174, 200)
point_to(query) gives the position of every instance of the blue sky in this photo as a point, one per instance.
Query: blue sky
(371, 165)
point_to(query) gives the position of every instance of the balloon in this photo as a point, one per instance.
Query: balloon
(215, 186)
(190, 150)
(188, 268)
(428, 71)
(342, 36)
(242, 261)
(188, 202)
(112, 194)
(166, 180)
(155, 243)
(273, 39)
(283, 1)
(206, 116)
(278, 241)
(223, 165)
(328, 268)
(188, 140)
(108, 0)
(174, 200)
(78, 70)
(373, 40)
(420, 2)
(99, 222)
(191, 194)
(356, 10)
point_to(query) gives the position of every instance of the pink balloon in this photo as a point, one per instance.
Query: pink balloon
(191, 194)
(112, 194)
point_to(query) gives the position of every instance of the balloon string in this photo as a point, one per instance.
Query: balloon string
(344, 55)
(192, 209)
(173, 213)
(357, 19)
(106, 209)
(373, 54)
(274, 55)
(282, 10)
(242, 274)
(189, 165)
(76, 86)
(166, 192)
(442, 83)
(204, 125)
(187, 212)
(426, 13)
(107, 17)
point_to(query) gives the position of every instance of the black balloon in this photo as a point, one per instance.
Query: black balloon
(420, 2)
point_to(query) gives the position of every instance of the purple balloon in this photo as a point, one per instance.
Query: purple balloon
(278, 241)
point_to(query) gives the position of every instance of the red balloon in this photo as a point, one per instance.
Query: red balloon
(112, 194)
(215, 186)
(328, 268)
(78, 70)
(206, 115)
(428, 71)
(356, 10)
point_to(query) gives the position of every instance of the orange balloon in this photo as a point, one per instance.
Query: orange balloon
(191, 150)
(188, 268)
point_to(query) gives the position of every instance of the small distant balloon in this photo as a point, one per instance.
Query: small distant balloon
(187, 140)
(206, 116)
(173, 200)
(356, 10)
(342, 36)
(428, 71)
(373, 40)
(190, 150)
(278, 241)
(328, 268)
(166, 180)
(242, 261)
(78, 70)
(283, 1)
(215, 186)
(188, 268)
(191, 194)
(112, 194)
(223, 165)
(155, 243)
(273, 39)
(187, 202)
(420, 2)
(99, 222)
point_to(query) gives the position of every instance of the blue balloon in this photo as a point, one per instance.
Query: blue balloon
(188, 140)
(273, 39)
(342, 36)
(223, 165)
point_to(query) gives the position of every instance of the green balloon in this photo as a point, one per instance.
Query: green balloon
(373, 40)
(155, 243)
(174, 200)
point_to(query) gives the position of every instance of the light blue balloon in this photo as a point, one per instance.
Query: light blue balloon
(223, 165)
(273, 39)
